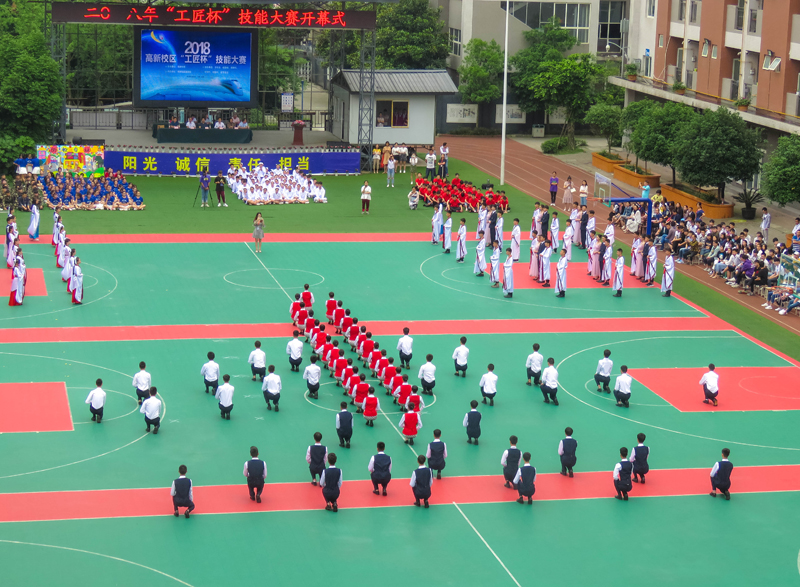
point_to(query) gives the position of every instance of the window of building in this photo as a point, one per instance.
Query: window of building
(651, 8)
(767, 60)
(610, 33)
(740, 15)
(752, 25)
(714, 52)
(391, 113)
(693, 12)
(682, 10)
(571, 16)
(455, 41)
(660, 40)
(647, 66)
(775, 65)
(705, 49)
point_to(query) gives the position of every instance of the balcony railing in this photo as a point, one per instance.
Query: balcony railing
(689, 79)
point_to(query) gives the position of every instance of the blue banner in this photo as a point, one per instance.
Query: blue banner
(142, 163)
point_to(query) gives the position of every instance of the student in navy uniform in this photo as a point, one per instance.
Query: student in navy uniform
(566, 451)
(510, 461)
(622, 475)
(316, 455)
(525, 480)
(181, 493)
(421, 481)
(472, 422)
(331, 483)
(380, 469)
(344, 425)
(437, 453)
(639, 459)
(721, 475)
(256, 472)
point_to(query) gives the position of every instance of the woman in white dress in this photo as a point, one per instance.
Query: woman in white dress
(366, 196)
(77, 282)
(33, 227)
(569, 189)
(584, 192)
(17, 286)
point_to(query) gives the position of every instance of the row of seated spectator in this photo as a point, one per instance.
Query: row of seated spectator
(75, 192)
(206, 123)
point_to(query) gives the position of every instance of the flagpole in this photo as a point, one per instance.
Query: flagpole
(505, 101)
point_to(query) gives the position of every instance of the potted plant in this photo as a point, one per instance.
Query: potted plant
(631, 71)
(742, 104)
(679, 88)
(748, 197)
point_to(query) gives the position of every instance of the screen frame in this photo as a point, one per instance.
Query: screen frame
(137, 71)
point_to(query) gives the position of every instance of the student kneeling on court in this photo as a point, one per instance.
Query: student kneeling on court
(525, 480)
(96, 401)
(151, 408)
(256, 472)
(721, 475)
(421, 481)
(181, 493)
(224, 396)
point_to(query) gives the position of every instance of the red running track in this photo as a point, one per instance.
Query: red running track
(233, 499)
(35, 286)
(378, 328)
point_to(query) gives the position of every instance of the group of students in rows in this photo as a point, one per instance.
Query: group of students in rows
(76, 192)
(455, 195)
(261, 186)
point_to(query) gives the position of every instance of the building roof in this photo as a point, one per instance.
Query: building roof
(401, 81)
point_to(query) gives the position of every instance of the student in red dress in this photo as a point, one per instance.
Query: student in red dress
(414, 402)
(360, 392)
(401, 393)
(338, 314)
(367, 348)
(330, 306)
(307, 296)
(294, 308)
(410, 423)
(370, 407)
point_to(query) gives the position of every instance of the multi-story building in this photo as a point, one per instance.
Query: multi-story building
(597, 24)
(722, 51)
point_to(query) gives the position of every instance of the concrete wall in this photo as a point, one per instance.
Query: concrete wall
(486, 116)
(642, 34)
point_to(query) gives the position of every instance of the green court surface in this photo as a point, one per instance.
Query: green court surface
(593, 542)
(562, 540)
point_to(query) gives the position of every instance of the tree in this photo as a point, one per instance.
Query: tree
(657, 130)
(630, 119)
(481, 72)
(569, 84)
(545, 44)
(780, 178)
(31, 88)
(605, 121)
(410, 35)
(716, 148)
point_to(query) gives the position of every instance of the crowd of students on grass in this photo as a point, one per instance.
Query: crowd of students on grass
(66, 257)
(71, 191)
(261, 186)
(369, 360)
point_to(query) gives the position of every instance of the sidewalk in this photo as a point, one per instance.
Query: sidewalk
(783, 219)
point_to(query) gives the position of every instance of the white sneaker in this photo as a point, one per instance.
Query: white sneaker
(225, 205)
(782, 312)
(219, 205)
(767, 307)
(778, 309)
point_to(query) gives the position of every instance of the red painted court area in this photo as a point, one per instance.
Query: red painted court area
(34, 407)
(230, 499)
(741, 389)
(378, 328)
(576, 278)
(35, 286)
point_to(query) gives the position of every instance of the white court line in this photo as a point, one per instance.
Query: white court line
(225, 278)
(108, 556)
(515, 301)
(291, 299)
(411, 448)
(653, 425)
(127, 395)
(163, 404)
(494, 554)
(611, 398)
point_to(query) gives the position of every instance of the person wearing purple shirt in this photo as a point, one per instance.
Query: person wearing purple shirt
(553, 188)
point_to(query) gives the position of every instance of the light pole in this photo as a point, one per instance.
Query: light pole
(505, 101)
(622, 50)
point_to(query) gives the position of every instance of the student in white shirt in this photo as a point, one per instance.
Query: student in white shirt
(258, 361)
(272, 388)
(550, 382)
(622, 388)
(96, 401)
(151, 408)
(210, 373)
(141, 383)
(295, 351)
(224, 395)
(427, 375)
(311, 374)
(488, 385)
(710, 383)
(602, 375)
(460, 356)
(406, 346)
(181, 492)
(533, 365)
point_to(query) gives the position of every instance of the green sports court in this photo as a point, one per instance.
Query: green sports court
(88, 504)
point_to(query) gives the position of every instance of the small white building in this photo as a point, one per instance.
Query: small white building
(404, 109)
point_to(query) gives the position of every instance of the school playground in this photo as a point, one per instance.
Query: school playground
(87, 504)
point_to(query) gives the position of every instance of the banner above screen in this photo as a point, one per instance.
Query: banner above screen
(212, 16)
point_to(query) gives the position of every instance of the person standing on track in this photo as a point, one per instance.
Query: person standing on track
(554, 183)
